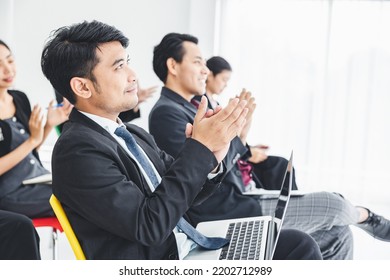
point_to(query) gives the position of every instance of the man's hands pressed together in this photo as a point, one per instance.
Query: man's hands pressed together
(216, 129)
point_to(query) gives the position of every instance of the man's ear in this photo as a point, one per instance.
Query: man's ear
(81, 87)
(171, 65)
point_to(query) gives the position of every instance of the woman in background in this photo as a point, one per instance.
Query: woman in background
(268, 171)
(22, 131)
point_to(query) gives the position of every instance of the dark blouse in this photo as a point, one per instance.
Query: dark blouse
(13, 132)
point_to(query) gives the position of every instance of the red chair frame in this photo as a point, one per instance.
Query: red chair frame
(56, 228)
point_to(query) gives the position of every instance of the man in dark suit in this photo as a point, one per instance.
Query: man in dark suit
(107, 190)
(179, 63)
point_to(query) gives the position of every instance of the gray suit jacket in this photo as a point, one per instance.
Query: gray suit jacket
(109, 204)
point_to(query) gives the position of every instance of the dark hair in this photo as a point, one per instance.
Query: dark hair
(170, 46)
(71, 52)
(217, 64)
(4, 44)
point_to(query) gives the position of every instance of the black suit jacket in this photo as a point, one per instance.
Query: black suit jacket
(167, 122)
(109, 204)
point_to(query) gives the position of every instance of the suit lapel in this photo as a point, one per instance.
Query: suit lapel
(175, 97)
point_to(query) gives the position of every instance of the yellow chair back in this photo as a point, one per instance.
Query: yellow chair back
(63, 219)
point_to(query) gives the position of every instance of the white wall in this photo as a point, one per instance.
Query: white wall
(25, 25)
(6, 14)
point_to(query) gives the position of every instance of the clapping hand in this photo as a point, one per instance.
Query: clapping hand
(58, 114)
(216, 129)
(251, 105)
(36, 126)
(258, 153)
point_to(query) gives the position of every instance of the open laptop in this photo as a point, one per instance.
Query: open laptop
(252, 238)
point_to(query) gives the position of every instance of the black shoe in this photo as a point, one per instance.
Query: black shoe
(377, 226)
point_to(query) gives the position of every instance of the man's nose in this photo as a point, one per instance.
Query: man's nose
(132, 77)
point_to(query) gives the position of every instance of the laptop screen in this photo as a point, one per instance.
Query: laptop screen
(284, 194)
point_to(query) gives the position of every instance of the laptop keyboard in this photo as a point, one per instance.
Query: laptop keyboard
(245, 241)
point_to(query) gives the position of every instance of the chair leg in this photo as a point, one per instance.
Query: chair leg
(55, 244)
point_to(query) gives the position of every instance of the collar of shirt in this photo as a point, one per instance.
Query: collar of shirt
(111, 126)
(107, 124)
